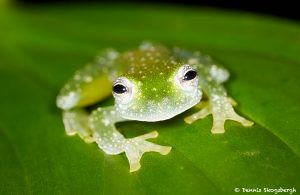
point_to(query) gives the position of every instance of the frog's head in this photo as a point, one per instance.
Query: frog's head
(159, 94)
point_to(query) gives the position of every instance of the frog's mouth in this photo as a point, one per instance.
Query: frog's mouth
(159, 111)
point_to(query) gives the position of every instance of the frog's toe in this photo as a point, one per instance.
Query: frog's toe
(232, 115)
(70, 131)
(247, 123)
(136, 147)
(198, 115)
(242, 120)
(152, 134)
(218, 126)
(88, 139)
(134, 156)
(232, 101)
(150, 147)
(134, 166)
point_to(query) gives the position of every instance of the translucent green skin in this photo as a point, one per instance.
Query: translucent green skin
(153, 76)
(157, 95)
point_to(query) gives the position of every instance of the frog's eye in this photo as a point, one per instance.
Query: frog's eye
(190, 75)
(122, 90)
(187, 78)
(119, 89)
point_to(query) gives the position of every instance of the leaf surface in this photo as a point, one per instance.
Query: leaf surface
(41, 47)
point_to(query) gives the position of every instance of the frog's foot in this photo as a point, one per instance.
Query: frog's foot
(221, 110)
(76, 122)
(137, 146)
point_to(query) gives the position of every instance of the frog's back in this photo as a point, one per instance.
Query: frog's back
(152, 61)
(148, 60)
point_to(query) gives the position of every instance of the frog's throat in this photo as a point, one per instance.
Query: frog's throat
(164, 110)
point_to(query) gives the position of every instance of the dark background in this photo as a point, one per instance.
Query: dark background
(283, 8)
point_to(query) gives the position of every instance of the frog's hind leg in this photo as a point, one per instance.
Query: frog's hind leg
(219, 73)
(76, 121)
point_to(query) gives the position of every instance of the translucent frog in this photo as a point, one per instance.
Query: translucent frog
(150, 83)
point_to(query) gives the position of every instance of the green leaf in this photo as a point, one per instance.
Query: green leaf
(41, 47)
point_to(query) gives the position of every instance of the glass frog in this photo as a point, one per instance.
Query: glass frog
(150, 83)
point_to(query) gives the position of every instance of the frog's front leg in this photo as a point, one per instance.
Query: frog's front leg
(111, 141)
(221, 108)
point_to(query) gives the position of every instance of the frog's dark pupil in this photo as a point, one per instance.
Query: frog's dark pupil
(190, 75)
(119, 89)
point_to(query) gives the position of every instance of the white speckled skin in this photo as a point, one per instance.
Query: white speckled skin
(156, 89)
